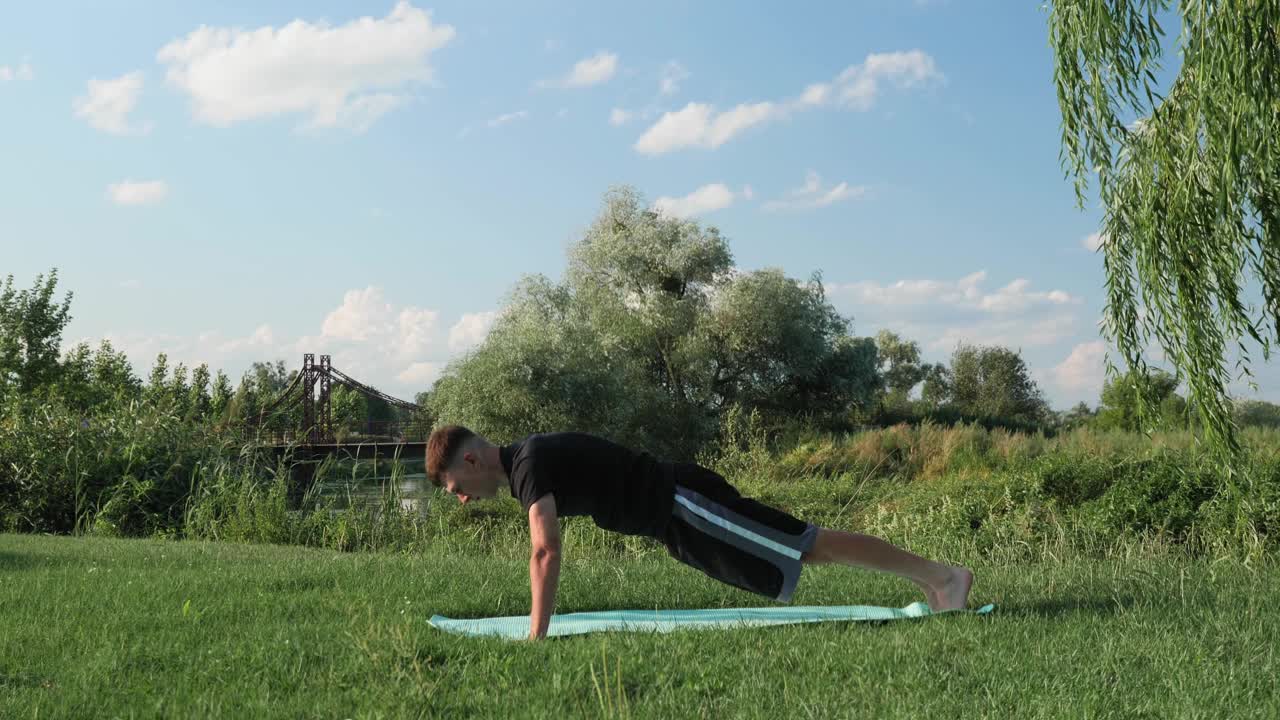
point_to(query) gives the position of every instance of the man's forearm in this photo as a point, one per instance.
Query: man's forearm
(544, 574)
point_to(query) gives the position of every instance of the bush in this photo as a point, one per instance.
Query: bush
(132, 464)
(960, 492)
(1160, 496)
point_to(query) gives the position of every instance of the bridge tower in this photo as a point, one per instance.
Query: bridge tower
(308, 396)
(325, 420)
(317, 417)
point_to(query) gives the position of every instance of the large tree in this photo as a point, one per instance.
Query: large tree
(1189, 180)
(899, 366)
(653, 334)
(1258, 413)
(31, 325)
(993, 382)
(93, 378)
(1121, 402)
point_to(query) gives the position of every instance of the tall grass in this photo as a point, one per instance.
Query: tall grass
(928, 451)
(960, 492)
(968, 492)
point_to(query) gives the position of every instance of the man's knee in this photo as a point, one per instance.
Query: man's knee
(817, 553)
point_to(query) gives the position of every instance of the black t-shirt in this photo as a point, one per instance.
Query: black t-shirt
(624, 490)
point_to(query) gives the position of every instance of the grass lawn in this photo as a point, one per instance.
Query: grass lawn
(136, 628)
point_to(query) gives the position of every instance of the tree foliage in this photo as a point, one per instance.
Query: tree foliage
(31, 325)
(1258, 413)
(899, 364)
(91, 378)
(651, 336)
(936, 389)
(993, 382)
(1122, 402)
(1190, 188)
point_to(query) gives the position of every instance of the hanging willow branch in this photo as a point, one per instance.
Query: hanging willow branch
(1191, 190)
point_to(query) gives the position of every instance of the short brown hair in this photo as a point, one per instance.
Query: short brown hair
(442, 447)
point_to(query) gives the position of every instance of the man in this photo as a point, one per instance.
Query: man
(701, 519)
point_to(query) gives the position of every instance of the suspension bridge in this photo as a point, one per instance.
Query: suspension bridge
(311, 390)
(309, 436)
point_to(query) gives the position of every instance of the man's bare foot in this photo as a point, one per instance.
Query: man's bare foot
(952, 594)
(930, 596)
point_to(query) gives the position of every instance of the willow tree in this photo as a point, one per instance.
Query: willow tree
(1188, 179)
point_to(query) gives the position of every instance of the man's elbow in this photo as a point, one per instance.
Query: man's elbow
(546, 552)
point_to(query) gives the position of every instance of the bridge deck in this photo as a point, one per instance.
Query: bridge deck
(385, 450)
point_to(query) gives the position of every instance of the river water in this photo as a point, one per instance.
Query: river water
(361, 483)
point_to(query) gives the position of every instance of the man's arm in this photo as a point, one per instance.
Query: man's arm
(544, 563)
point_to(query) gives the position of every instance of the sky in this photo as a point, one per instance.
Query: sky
(243, 181)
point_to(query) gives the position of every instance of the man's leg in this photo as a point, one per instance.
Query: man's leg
(945, 586)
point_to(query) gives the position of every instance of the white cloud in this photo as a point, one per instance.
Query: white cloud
(940, 314)
(698, 125)
(705, 199)
(859, 85)
(398, 349)
(747, 192)
(109, 102)
(1083, 371)
(262, 337)
(363, 315)
(816, 94)
(1011, 331)
(422, 374)
(374, 333)
(470, 330)
(231, 355)
(587, 72)
(967, 292)
(619, 116)
(19, 72)
(346, 76)
(404, 349)
(1093, 241)
(130, 192)
(417, 329)
(504, 119)
(1015, 296)
(361, 113)
(812, 195)
(378, 343)
(672, 75)
(914, 292)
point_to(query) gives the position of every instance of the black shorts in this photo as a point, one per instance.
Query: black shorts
(732, 538)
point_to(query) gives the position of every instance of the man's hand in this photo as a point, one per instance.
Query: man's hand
(544, 563)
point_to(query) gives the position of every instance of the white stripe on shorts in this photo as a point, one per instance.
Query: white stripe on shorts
(737, 529)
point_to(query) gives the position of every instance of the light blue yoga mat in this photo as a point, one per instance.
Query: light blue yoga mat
(516, 627)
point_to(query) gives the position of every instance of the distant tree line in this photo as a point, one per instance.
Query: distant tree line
(87, 379)
(652, 336)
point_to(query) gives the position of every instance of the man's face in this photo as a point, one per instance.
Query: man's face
(468, 480)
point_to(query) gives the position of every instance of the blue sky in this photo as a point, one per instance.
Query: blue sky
(249, 181)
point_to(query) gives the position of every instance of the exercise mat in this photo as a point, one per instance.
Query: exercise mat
(516, 627)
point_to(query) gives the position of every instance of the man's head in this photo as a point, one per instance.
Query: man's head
(464, 463)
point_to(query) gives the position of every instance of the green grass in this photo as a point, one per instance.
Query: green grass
(93, 627)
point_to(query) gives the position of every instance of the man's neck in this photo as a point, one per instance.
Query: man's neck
(493, 458)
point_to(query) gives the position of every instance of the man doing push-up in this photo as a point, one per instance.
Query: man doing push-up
(701, 519)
